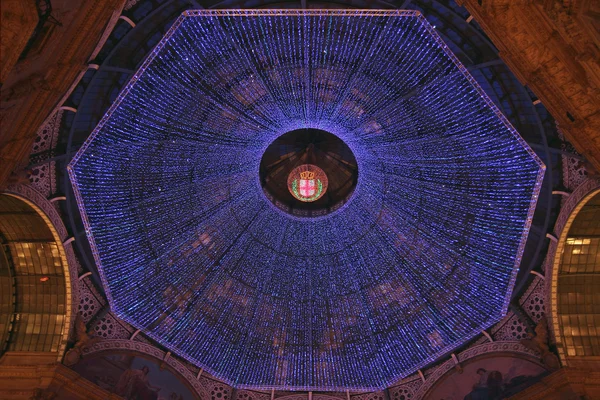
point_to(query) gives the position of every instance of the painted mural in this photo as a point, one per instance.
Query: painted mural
(133, 377)
(487, 379)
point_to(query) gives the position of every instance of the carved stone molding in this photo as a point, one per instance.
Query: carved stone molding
(553, 47)
(574, 169)
(111, 327)
(299, 396)
(321, 396)
(214, 390)
(368, 396)
(90, 300)
(572, 201)
(19, 18)
(510, 328)
(251, 395)
(406, 390)
(36, 85)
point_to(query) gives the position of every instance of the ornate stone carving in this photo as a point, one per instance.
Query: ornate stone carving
(82, 338)
(538, 342)
(214, 390)
(31, 93)
(552, 46)
(299, 396)
(403, 392)
(251, 395)
(19, 18)
(511, 328)
(574, 169)
(110, 327)
(369, 396)
(90, 301)
(572, 201)
(533, 300)
(47, 135)
(318, 396)
(43, 178)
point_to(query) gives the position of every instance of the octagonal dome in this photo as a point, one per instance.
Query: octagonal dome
(421, 258)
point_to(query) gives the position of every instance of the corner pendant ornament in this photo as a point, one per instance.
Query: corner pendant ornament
(307, 183)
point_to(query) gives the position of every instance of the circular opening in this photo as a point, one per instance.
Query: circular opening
(308, 172)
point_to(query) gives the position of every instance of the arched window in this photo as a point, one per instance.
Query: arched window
(576, 287)
(34, 292)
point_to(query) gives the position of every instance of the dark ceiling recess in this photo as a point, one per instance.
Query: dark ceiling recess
(315, 147)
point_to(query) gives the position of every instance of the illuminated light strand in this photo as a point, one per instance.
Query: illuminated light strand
(191, 252)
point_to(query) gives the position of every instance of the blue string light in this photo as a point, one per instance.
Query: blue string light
(419, 260)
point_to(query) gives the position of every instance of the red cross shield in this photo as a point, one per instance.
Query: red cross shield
(307, 187)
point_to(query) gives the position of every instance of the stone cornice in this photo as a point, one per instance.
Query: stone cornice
(547, 47)
(35, 86)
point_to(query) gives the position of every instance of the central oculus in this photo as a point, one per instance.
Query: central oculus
(308, 172)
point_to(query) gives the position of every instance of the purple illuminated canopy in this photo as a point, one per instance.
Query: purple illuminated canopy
(191, 252)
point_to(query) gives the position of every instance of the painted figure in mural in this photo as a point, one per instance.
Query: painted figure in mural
(493, 385)
(134, 385)
(483, 375)
(488, 386)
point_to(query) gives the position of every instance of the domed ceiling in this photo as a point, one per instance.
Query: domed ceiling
(421, 257)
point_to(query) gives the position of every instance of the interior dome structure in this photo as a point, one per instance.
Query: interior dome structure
(421, 257)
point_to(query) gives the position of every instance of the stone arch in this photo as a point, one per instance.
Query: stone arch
(145, 350)
(572, 281)
(486, 350)
(39, 277)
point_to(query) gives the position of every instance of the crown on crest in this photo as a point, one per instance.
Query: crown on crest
(307, 175)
